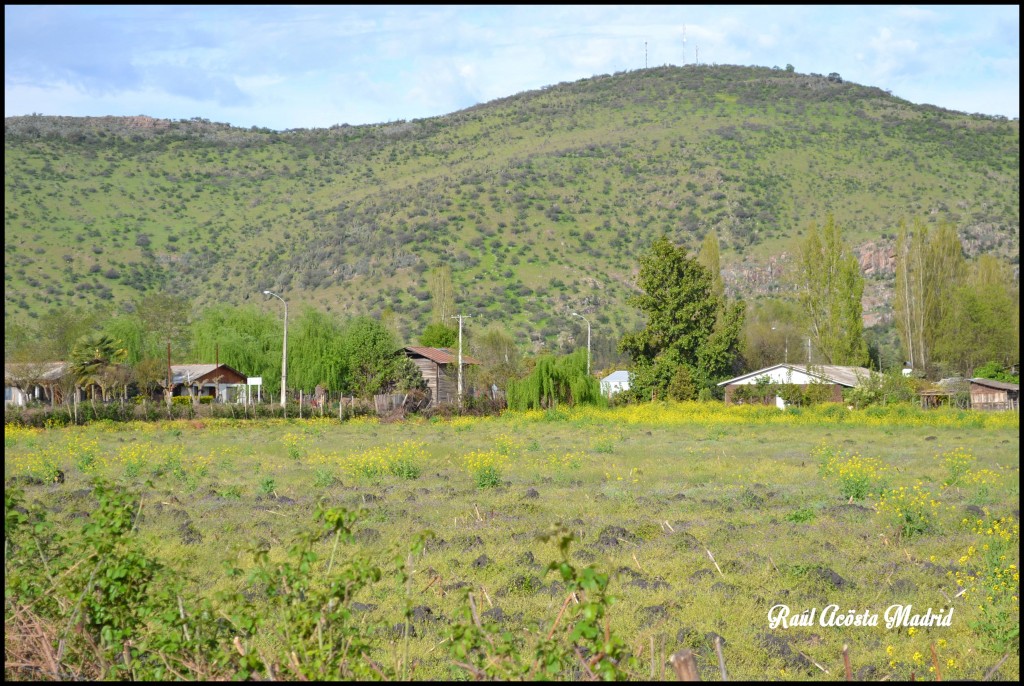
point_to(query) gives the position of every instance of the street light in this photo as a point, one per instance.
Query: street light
(284, 349)
(575, 314)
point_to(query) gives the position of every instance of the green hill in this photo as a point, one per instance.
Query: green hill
(539, 202)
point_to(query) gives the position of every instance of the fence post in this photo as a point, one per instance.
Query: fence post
(685, 665)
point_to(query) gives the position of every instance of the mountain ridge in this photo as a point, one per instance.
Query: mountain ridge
(540, 201)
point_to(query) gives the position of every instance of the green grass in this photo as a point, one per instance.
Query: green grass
(650, 495)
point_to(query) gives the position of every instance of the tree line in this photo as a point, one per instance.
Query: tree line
(953, 316)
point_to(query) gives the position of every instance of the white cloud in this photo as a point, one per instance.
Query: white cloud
(283, 66)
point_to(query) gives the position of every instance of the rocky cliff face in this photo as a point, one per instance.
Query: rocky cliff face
(777, 277)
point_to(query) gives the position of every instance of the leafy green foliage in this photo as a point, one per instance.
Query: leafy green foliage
(882, 389)
(831, 288)
(996, 372)
(439, 335)
(485, 650)
(574, 181)
(555, 380)
(692, 335)
(487, 476)
(372, 361)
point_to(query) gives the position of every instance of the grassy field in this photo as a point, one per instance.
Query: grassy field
(705, 518)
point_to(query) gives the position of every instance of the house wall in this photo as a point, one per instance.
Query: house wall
(226, 376)
(837, 391)
(443, 387)
(780, 375)
(14, 396)
(985, 398)
(610, 388)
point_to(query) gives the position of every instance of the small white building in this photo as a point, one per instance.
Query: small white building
(614, 383)
(838, 377)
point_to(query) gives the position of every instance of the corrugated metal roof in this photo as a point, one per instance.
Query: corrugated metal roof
(844, 376)
(187, 373)
(51, 370)
(1001, 385)
(440, 355)
(847, 376)
(619, 376)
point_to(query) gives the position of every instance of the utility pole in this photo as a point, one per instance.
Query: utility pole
(588, 338)
(460, 317)
(284, 352)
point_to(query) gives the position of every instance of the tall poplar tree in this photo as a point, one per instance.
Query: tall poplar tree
(710, 257)
(909, 294)
(442, 294)
(831, 287)
(930, 272)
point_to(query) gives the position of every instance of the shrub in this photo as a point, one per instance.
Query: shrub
(912, 511)
(488, 476)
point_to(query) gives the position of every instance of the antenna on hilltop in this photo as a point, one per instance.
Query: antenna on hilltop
(645, 54)
(684, 43)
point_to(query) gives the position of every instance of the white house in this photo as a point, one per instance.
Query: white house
(32, 381)
(838, 377)
(614, 383)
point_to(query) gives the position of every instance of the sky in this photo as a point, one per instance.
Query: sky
(287, 67)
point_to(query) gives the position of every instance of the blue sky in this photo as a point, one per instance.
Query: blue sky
(302, 67)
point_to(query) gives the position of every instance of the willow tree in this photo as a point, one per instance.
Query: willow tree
(316, 352)
(555, 380)
(830, 291)
(245, 338)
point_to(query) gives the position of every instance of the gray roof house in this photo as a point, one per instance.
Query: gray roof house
(838, 376)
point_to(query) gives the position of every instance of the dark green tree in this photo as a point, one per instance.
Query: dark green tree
(373, 356)
(692, 335)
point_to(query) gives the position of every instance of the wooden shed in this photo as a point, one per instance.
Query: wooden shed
(440, 369)
(987, 394)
